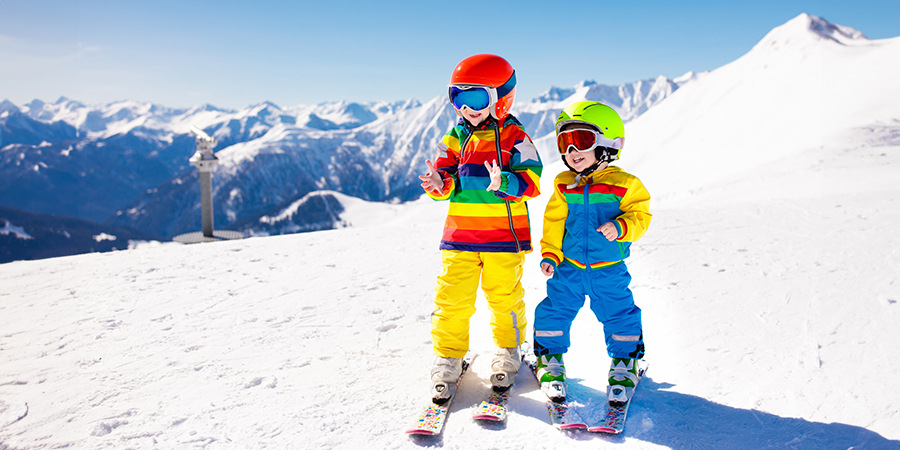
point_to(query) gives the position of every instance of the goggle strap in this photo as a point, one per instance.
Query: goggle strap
(507, 87)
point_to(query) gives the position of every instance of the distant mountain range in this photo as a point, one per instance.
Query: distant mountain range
(125, 164)
(286, 170)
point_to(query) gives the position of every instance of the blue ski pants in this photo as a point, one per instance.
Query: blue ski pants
(611, 301)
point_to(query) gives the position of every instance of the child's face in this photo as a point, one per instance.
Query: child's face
(581, 160)
(475, 117)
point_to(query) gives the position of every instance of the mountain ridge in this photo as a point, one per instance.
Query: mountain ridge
(370, 150)
(270, 157)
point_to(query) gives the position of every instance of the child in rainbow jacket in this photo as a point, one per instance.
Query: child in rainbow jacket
(486, 166)
(594, 215)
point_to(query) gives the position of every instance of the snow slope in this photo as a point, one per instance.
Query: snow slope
(771, 300)
(321, 340)
(802, 87)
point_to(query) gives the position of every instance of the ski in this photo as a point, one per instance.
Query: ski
(431, 419)
(613, 419)
(562, 414)
(493, 408)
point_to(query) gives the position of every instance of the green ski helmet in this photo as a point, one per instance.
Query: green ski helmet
(600, 117)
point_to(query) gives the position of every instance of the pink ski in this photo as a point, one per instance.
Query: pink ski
(613, 419)
(493, 408)
(562, 415)
(431, 420)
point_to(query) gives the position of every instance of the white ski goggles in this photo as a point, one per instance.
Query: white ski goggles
(476, 97)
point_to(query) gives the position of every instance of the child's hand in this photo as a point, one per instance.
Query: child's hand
(547, 269)
(432, 180)
(494, 171)
(609, 230)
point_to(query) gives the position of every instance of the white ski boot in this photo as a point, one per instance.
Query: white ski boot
(444, 377)
(622, 380)
(551, 372)
(505, 366)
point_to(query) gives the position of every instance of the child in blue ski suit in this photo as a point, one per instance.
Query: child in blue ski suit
(596, 211)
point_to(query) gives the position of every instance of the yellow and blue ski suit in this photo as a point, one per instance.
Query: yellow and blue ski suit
(587, 264)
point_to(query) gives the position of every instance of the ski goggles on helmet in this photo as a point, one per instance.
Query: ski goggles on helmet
(476, 98)
(582, 140)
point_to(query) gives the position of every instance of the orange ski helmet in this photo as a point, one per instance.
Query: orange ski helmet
(491, 72)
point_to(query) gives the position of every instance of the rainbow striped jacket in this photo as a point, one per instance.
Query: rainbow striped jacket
(477, 220)
(575, 212)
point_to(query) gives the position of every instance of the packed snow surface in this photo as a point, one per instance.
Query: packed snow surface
(770, 290)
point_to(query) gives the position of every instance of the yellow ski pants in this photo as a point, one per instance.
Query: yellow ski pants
(457, 287)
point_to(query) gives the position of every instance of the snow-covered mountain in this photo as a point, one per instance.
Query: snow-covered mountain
(70, 159)
(768, 287)
(804, 88)
(376, 161)
(125, 163)
(630, 100)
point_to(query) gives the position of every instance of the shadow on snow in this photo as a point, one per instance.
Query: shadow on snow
(682, 421)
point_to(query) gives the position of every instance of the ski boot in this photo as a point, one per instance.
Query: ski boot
(622, 380)
(505, 366)
(551, 372)
(444, 377)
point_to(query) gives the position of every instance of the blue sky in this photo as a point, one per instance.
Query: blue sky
(236, 53)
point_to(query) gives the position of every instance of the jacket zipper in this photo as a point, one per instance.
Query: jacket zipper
(512, 227)
(587, 221)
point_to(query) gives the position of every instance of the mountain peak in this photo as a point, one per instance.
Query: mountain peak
(688, 77)
(806, 26)
(265, 108)
(7, 105)
(828, 30)
(204, 107)
(554, 94)
(66, 101)
(35, 105)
